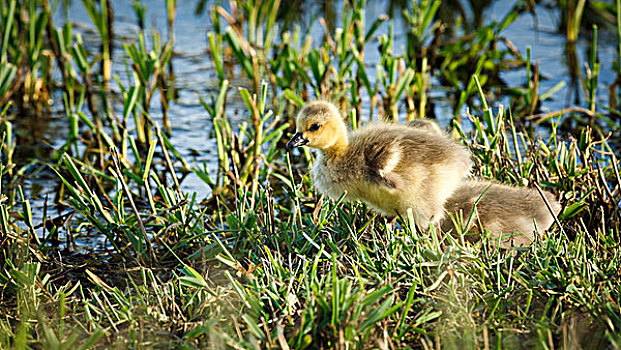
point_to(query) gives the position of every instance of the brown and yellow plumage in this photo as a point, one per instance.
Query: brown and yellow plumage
(389, 166)
(511, 213)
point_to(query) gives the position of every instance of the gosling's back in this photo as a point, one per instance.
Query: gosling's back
(502, 209)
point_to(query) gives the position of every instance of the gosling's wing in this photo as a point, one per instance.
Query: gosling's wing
(381, 158)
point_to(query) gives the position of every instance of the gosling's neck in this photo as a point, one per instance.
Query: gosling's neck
(337, 149)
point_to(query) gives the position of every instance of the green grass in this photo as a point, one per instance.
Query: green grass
(265, 261)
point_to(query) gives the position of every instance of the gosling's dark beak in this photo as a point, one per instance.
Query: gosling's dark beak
(297, 140)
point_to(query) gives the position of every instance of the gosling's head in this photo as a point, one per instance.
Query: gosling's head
(319, 125)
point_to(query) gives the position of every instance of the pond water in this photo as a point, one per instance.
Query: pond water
(195, 75)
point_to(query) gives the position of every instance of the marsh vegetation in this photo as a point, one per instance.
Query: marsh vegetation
(148, 200)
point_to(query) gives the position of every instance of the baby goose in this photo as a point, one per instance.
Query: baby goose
(502, 209)
(426, 125)
(506, 210)
(389, 166)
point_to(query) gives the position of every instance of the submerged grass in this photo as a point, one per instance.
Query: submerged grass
(265, 262)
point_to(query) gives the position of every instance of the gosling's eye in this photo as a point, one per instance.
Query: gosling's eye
(314, 127)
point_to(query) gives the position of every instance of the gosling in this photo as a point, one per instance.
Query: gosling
(512, 213)
(427, 125)
(502, 210)
(389, 166)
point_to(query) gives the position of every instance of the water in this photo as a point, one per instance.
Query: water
(548, 47)
(195, 75)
